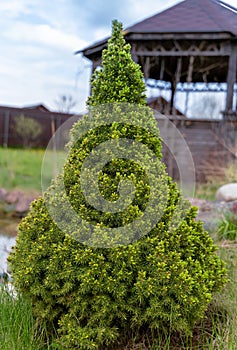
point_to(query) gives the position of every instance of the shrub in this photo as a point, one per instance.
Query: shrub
(119, 80)
(94, 287)
(27, 129)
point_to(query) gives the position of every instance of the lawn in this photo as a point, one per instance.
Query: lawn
(20, 168)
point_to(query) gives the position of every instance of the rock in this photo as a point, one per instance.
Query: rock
(227, 193)
(202, 204)
(17, 202)
(23, 205)
(13, 197)
(234, 207)
(3, 194)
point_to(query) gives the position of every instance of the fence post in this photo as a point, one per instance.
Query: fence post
(6, 129)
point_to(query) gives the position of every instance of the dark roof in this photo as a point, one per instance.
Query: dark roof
(191, 16)
(39, 107)
(32, 111)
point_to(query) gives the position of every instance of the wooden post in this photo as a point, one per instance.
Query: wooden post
(162, 68)
(189, 80)
(174, 85)
(147, 68)
(190, 69)
(58, 133)
(134, 53)
(54, 147)
(231, 78)
(94, 65)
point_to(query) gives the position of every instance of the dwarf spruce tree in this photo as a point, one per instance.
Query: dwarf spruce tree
(92, 272)
(120, 79)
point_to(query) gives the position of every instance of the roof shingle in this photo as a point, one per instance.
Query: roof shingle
(191, 16)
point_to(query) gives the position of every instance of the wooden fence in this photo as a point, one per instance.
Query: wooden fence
(212, 144)
(49, 122)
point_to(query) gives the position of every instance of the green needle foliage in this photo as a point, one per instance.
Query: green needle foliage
(120, 79)
(94, 290)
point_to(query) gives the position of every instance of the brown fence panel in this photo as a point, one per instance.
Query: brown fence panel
(49, 121)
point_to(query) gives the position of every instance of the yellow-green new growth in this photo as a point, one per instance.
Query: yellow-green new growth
(120, 78)
(95, 297)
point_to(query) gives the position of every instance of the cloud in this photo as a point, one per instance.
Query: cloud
(38, 61)
(14, 8)
(42, 35)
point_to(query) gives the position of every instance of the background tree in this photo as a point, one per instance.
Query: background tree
(28, 129)
(94, 295)
(65, 103)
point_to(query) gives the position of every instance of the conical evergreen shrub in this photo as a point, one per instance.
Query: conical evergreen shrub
(89, 270)
(120, 79)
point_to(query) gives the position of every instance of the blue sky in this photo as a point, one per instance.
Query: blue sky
(38, 40)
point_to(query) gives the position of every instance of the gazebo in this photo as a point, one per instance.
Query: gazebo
(190, 43)
(190, 47)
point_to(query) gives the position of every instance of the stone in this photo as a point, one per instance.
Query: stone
(227, 193)
(23, 205)
(3, 194)
(13, 197)
(202, 204)
(17, 202)
(234, 207)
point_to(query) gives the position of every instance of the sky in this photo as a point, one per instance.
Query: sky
(38, 41)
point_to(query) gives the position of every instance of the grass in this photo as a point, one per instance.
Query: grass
(21, 169)
(17, 326)
(227, 228)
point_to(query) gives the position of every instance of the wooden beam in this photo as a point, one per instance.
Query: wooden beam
(212, 66)
(177, 36)
(96, 49)
(231, 78)
(181, 53)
